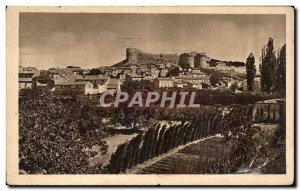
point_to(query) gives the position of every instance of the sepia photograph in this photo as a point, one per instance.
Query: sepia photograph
(181, 95)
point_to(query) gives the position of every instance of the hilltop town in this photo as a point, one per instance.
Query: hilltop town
(185, 71)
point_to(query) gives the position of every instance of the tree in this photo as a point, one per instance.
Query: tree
(117, 159)
(159, 143)
(251, 71)
(267, 67)
(183, 61)
(214, 78)
(173, 72)
(56, 135)
(281, 76)
(94, 71)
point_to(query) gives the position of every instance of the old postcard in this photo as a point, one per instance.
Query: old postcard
(150, 95)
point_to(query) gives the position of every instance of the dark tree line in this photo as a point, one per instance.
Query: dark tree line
(161, 139)
(272, 69)
(281, 76)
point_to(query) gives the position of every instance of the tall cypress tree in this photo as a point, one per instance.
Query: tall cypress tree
(117, 159)
(267, 67)
(160, 141)
(251, 71)
(281, 76)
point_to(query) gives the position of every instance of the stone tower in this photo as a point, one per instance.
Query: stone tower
(187, 59)
(200, 60)
(132, 54)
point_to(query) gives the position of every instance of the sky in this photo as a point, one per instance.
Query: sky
(92, 40)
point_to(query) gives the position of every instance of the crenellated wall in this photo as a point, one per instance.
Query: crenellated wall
(193, 60)
(133, 55)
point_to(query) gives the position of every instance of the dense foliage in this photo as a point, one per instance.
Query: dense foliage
(56, 135)
(281, 75)
(258, 149)
(95, 71)
(227, 73)
(173, 72)
(215, 78)
(272, 69)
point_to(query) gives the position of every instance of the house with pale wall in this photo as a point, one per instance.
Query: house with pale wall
(81, 88)
(164, 82)
(192, 79)
(26, 75)
(94, 79)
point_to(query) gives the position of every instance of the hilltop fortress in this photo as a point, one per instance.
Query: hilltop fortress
(196, 60)
(193, 60)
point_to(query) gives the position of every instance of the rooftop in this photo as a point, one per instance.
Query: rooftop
(71, 83)
(92, 77)
(165, 79)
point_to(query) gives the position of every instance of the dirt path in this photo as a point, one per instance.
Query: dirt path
(113, 142)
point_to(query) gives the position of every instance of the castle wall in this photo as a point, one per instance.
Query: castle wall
(193, 60)
(134, 55)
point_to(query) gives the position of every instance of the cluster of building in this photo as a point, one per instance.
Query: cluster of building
(137, 66)
(188, 80)
(67, 80)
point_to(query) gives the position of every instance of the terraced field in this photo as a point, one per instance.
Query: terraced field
(192, 159)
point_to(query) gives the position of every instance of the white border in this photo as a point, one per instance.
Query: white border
(94, 179)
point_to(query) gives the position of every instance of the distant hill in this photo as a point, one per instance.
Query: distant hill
(121, 63)
(214, 62)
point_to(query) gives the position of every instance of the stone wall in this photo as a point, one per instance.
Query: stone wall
(135, 55)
